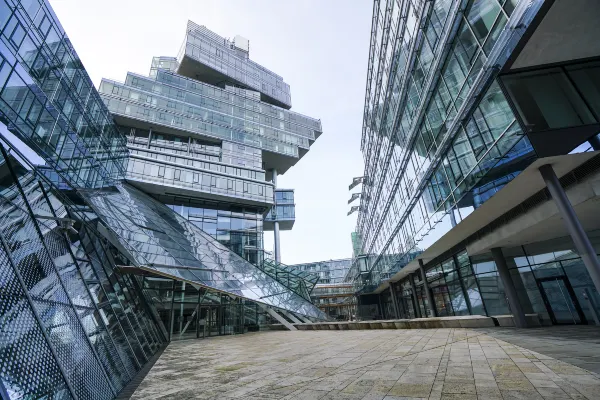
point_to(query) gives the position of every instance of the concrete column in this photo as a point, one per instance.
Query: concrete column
(276, 223)
(276, 241)
(149, 138)
(582, 241)
(427, 290)
(509, 288)
(413, 287)
(394, 300)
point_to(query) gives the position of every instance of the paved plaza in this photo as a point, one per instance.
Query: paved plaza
(365, 364)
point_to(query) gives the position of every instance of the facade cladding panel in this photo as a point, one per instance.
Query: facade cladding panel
(49, 100)
(72, 328)
(86, 302)
(440, 138)
(417, 190)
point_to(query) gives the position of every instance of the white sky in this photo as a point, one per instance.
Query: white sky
(320, 47)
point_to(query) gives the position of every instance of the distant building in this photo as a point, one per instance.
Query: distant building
(332, 294)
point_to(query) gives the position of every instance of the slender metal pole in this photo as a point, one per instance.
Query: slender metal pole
(509, 288)
(582, 242)
(427, 289)
(276, 241)
(172, 311)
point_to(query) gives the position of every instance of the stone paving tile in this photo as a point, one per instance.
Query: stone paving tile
(365, 364)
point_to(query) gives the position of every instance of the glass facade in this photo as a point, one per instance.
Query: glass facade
(239, 229)
(331, 271)
(210, 127)
(182, 103)
(283, 211)
(229, 59)
(417, 189)
(49, 102)
(97, 276)
(550, 278)
(154, 237)
(72, 327)
(448, 124)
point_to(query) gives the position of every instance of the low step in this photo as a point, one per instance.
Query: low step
(468, 321)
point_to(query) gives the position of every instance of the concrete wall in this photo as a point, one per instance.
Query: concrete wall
(569, 31)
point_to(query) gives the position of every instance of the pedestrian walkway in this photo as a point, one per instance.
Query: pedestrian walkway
(577, 345)
(362, 364)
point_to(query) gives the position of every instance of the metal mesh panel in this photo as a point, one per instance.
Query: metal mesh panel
(121, 342)
(35, 266)
(68, 339)
(27, 366)
(119, 347)
(89, 354)
(67, 269)
(104, 346)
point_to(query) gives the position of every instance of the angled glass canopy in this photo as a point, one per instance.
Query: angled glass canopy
(156, 238)
(301, 282)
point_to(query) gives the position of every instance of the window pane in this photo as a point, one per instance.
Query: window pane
(481, 17)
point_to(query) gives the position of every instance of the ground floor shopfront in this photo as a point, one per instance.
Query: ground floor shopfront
(549, 277)
(189, 311)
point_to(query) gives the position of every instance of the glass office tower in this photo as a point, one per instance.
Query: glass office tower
(208, 133)
(141, 225)
(479, 136)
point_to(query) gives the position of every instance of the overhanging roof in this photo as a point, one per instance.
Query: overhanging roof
(525, 185)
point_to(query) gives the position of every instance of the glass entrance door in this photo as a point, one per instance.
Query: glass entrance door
(560, 301)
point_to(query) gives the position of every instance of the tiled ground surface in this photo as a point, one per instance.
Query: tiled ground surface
(366, 364)
(577, 345)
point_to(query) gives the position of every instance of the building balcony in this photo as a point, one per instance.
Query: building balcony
(165, 178)
(283, 212)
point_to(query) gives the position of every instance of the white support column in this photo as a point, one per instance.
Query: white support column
(292, 317)
(276, 241)
(304, 319)
(279, 318)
